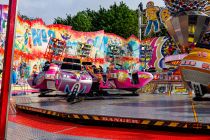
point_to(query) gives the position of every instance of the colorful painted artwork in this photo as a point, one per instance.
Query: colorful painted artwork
(164, 15)
(207, 9)
(153, 24)
(179, 6)
(3, 23)
(32, 38)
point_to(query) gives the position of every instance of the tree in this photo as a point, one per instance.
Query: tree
(93, 15)
(101, 20)
(67, 21)
(123, 20)
(25, 17)
(81, 22)
(117, 19)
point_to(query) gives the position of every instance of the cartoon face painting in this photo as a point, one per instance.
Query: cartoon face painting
(151, 11)
(152, 19)
(164, 15)
(207, 9)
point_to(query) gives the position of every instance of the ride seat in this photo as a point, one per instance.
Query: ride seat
(104, 78)
(135, 78)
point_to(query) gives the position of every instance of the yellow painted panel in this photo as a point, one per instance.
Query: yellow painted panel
(159, 123)
(49, 112)
(76, 116)
(173, 124)
(208, 126)
(54, 113)
(85, 117)
(190, 39)
(96, 118)
(44, 111)
(145, 122)
(185, 126)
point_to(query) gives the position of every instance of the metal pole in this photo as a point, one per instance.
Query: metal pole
(8, 56)
(145, 59)
(139, 24)
(140, 12)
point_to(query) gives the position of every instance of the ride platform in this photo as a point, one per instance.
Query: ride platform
(146, 110)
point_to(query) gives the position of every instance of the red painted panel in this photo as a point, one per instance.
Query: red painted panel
(71, 129)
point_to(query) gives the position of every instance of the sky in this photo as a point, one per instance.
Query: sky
(50, 9)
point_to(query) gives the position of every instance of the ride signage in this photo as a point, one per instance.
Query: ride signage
(196, 64)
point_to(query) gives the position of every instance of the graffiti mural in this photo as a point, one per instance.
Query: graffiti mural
(153, 24)
(3, 23)
(105, 49)
(164, 15)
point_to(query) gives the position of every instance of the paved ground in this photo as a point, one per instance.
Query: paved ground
(163, 107)
(22, 132)
(32, 127)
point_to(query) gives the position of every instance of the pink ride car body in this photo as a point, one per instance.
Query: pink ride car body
(73, 81)
(45, 79)
(122, 79)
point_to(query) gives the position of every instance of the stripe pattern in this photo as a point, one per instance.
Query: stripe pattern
(140, 122)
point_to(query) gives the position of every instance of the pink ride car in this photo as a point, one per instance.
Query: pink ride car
(122, 79)
(72, 80)
(45, 80)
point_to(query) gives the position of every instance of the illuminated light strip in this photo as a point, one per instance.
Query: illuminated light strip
(196, 64)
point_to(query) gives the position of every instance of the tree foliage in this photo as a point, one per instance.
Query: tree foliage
(25, 17)
(81, 22)
(123, 21)
(117, 19)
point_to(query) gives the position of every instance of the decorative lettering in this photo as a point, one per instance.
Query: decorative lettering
(121, 120)
(205, 66)
(36, 35)
(51, 33)
(44, 35)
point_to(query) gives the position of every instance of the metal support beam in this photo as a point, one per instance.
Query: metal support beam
(140, 12)
(8, 57)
